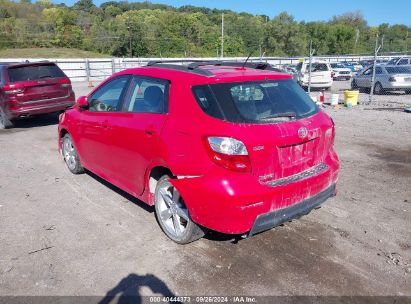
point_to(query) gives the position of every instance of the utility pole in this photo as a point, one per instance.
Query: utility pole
(222, 35)
(357, 36)
(129, 38)
(377, 49)
(406, 44)
(310, 65)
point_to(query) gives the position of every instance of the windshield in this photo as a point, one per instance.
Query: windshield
(337, 66)
(255, 102)
(398, 70)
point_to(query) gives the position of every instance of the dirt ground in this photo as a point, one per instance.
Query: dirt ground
(62, 234)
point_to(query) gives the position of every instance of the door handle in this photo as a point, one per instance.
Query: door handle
(105, 125)
(150, 130)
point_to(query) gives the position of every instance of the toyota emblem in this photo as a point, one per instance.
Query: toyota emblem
(302, 132)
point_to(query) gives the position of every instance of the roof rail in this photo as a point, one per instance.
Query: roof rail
(154, 62)
(178, 67)
(194, 66)
(250, 65)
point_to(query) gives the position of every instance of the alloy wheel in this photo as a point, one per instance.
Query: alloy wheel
(69, 153)
(172, 211)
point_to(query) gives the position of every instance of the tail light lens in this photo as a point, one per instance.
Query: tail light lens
(228, 153)
(332, 74)
(65, 83)
(330, 133)
(7, 89)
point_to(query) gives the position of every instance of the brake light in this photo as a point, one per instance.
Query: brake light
(65, 82)
(11, 89)
(228, 153)
(332, 74)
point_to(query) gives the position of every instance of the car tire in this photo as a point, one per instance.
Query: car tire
(173, 215)
(354, 85)
(70, 155)
(378, 89)
(4, 121)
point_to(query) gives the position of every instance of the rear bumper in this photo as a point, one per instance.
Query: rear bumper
(272, 219)
(232, 202)
(397, 86)
(317, 84)
(31, 110)
(342, 76)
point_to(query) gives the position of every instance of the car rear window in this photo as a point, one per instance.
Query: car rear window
(318, 67)
(398, 70)
(34, 72)
(255, 102)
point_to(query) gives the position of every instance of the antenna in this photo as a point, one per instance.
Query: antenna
(245, 62)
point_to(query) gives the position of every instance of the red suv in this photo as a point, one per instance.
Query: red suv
(28, 89)
(235, 148)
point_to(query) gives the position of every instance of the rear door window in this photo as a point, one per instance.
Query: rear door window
(403, 61)
(398, 70)
(255, 102)
(147, 95)
(34, 72)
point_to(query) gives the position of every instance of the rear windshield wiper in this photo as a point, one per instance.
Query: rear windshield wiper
(45, 76)
(281, 115)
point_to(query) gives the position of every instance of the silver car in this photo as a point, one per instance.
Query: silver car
(387, 78)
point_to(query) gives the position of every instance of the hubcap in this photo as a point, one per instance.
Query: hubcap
(172, 211)
(69, 153)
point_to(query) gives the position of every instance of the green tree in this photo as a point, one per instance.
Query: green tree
(285, 36)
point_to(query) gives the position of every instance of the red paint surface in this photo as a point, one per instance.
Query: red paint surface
(123, 148)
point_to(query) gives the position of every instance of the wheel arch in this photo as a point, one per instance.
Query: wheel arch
(153, 174)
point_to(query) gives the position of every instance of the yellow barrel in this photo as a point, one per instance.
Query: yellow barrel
(351, 97)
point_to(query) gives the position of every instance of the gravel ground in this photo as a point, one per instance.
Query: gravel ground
(62, 234)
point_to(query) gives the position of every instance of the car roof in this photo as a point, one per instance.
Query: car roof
(209, 72)
(25, 63)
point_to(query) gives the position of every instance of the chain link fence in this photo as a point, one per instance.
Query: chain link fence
(376, 82)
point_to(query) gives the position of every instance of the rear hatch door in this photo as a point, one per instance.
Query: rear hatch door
(320, 73)
(38, 83)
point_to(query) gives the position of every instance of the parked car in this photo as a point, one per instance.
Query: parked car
(290, 69)
(28, 89)
(233, 149)
(340, 72)
(400, 61)
(387, 78)
(321, 75)
(353, 65)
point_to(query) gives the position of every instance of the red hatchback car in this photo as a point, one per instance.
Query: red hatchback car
(28, 89)
(229, 147)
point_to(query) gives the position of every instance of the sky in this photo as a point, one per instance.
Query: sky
(374, 11)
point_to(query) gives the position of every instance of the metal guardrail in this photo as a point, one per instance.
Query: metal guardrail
(97, 69)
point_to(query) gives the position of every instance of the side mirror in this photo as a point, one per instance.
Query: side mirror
(82, 102)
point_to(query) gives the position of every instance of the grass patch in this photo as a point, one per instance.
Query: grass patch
(49, 53)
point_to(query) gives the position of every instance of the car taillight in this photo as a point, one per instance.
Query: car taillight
(228, 153)
(332, 74)
(12, 90)
(65, 83)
